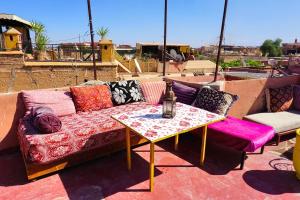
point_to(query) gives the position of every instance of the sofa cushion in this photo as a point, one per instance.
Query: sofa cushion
(279, 99)
(44, 120)
(184, 94)
(80, 132)
(124, 92)
(153, 91)
(59, 101)
(240, 134)
(296, 103)
(280, 121)
(91, 98)
(214, 101)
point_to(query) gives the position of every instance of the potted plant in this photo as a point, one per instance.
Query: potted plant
(41, 40)
(102, 32)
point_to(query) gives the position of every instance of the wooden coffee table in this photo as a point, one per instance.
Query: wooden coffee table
(149, 124)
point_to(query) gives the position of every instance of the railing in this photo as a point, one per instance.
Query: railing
(61, 52)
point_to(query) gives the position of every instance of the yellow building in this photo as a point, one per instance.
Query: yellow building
(107, 50)
(12, 39)
(10, 27)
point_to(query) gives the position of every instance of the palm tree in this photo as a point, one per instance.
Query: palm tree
(102, 32)
(38, 28)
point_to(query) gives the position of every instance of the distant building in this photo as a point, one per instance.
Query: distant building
(291, 48)
(231, 50)
(14, 33)
(155, 50)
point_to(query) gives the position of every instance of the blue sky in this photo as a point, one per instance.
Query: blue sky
(196, 22)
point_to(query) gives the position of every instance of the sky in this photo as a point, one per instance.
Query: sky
(195, 22)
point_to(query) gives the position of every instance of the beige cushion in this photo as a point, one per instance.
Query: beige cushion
(280, 121)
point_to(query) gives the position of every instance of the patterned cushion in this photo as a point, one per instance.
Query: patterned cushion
(184, 94)
(124, 92)
(296, 103)
(279, 99)
(215, 101)
(59, 101)
(80, 132)
(153, 91)
(91, 98)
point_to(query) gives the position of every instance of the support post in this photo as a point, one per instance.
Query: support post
(243, 158)
(221, 40)
(128, 147)
(151, 170)
(92, 38)
(165, 37)
(203, 145)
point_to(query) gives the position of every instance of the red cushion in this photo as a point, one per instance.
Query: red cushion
(91, 98)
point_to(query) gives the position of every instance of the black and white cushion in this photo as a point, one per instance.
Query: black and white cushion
(215, 101)
(124, 92)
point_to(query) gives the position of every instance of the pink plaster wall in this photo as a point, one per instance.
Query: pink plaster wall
(251, 93)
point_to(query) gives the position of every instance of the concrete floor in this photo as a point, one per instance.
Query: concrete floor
(177, 176)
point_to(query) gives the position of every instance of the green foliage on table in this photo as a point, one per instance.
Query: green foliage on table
(233, 63)
(239, 63)
(253, 63)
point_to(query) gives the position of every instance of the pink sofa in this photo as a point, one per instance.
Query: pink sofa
(84, 135)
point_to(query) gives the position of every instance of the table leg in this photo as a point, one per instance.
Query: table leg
(128, 147)
(203, 146)
(176, 142)
(151, 184)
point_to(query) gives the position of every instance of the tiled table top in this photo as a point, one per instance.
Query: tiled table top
(149, 123)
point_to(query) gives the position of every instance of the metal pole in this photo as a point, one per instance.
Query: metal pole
(92, 38)
(165, 38)
(221, 40)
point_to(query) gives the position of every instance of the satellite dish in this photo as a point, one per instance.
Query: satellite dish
(173, 53)
(178, 58)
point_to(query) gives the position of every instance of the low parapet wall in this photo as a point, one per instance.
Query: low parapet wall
(40, 75)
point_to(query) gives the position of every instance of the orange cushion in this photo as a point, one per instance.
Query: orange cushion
(91, 98)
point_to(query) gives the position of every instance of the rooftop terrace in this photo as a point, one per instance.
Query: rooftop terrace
(177, 176)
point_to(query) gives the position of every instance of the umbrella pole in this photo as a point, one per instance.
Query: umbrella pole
(92, 38)
(165, 37)
(221, 40)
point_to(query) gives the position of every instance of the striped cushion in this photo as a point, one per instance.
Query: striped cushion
(153, 91)
(59, 101)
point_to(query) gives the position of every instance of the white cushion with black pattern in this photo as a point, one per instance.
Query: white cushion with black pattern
(124, 92)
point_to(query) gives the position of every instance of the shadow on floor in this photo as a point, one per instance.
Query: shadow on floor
(274, 182)
(12, 170)
(109, 176)
(281, 180)
(218, 161)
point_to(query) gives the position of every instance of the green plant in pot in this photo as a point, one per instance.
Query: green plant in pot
(41, 40)
(102, 32)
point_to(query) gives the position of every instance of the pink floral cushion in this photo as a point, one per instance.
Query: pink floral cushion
(59, 101)
(153, 91)
(80, 132)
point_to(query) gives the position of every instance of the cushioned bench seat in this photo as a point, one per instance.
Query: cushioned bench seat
(240, 134)
(80, 132)
(280, 121)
